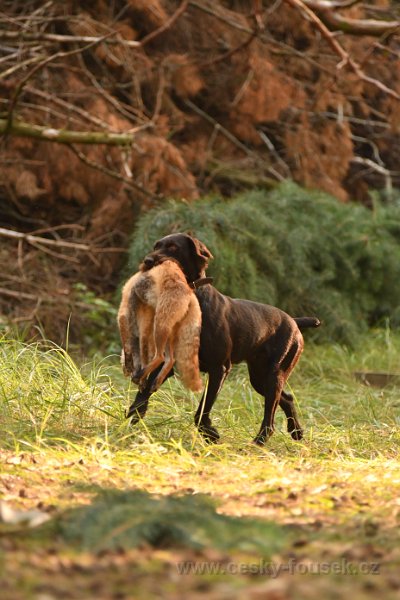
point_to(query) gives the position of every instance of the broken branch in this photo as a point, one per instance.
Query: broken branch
(346, 59)
(65, 136)
(337, 22)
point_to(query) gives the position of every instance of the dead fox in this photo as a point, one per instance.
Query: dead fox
(159, 320)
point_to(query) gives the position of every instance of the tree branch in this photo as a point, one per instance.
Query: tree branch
(65, 136)
(167, 25)
(346, 59)
(337, 22)
(332, 4)
(64, 39)
(44, 244)
(34, 239)
(114, 174)
(43, 63)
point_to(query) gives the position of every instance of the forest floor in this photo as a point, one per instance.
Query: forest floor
(154, 512)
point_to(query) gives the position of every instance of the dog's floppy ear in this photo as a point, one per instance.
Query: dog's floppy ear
(201, 251)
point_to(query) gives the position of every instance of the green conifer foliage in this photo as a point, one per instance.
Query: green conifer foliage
(297, 249)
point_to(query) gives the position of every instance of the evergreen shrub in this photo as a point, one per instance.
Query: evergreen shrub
(297, 249)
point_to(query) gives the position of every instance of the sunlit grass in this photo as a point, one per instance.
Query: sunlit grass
(47, 400)
(66, 414)
(65, 439)
(45, 395)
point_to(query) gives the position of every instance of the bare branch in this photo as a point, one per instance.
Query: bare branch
(64, 136)
(22, 36)
(113, 174)
(331, 4)
(167, 25)
(35, 69)
(337, 22)
(49, 299)
(45, 244)
(346, 59)
(219, 16)
(34, 239)
(234, 140)
(67, 105)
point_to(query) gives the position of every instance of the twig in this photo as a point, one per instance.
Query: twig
(113, 174)
(67, 105)
(64, 136)
(222, 129)
(231, 52)
(378, 169)
(66, 39)
(20, 65)
(39, 66)
(49, 299)
(232, 138)
(222, 18)
(345, 57)
(34, 239)
(58, 255)
(335, 21)
(160, 93)
(331, 4)
(129, 114)
(169, 22)
(274, 152)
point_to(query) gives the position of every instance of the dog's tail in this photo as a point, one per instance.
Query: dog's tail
(307, 322)
(187, 347)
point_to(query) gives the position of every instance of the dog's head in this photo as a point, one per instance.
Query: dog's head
(191, 254)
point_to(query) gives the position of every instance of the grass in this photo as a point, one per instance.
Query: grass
(129, 500)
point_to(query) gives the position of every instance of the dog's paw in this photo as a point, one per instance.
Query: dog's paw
(209, 433)
(297, 434)
(263, 436)
(136, 412)
(260, 440)
(133, 415)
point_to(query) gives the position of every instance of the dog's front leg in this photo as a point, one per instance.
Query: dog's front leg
(138, 408)
(202, 419)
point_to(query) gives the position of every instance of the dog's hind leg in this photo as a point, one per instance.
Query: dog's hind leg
(274, 383)
(257, 380)
(286, 403)
(202, 419)
(268, 380)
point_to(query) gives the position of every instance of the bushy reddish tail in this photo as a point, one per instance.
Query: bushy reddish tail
(187, 347)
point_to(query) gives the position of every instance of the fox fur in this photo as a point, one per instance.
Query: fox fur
(159, 320)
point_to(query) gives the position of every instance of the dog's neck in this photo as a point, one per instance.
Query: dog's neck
(199, 282)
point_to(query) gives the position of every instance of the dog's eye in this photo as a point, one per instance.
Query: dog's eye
(172, 246)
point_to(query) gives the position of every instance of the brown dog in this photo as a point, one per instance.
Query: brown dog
(159, 320)
(233, 331)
